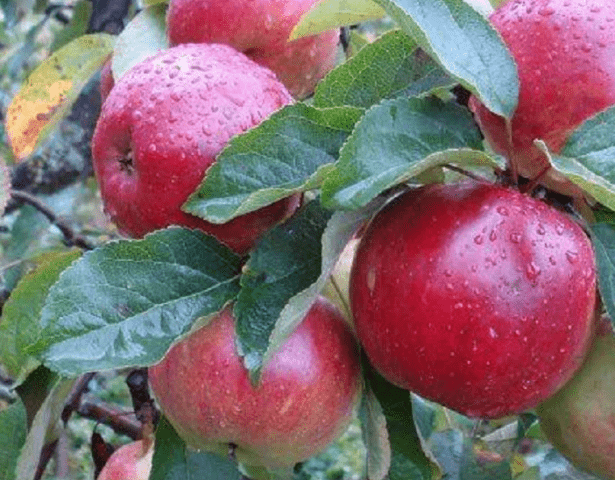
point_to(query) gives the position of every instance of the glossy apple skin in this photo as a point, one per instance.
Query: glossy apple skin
(579, 420)
(260, 29)
(132, 461)
(564, 51)
(162, 126)
(306, 399)
(474, 296)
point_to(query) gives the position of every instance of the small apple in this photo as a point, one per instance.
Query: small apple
(579, 420)
(475, 296)
(260, 29)
(564, 51)
(306, 397)
(162, 126)
(132, 461)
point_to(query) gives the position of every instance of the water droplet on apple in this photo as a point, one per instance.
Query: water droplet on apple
(502, 211)
(478, 239)
(572, 257)
(493, 333)
(532, 271)
(515, 237)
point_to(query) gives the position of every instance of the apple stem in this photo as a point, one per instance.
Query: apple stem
(466, 173)
(514, 171)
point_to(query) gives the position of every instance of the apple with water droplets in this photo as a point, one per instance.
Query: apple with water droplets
(306, 397)
(564, 52)
(579, 420)
(475, 296)
(161, 128)
(132, 461)
(260, 29)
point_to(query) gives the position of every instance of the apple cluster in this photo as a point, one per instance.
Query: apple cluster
(471, 294)
(161, 127)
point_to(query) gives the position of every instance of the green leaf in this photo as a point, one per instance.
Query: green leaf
(603, 236)
(42, 428)
(466, 46)
(286, 261)
(78, 25)
(375, 437)
(21, 314)
(589, 154)
(329, 14)
(172, 460)
(13, 431)
(51, 89)
(390, 67)
(397, 140)
(408, 459)
(289, 152)
(143, 37)
(126, 302)
(340, 229)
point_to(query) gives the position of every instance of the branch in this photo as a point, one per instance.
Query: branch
(70, 237)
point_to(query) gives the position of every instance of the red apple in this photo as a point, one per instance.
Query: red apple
(475, 296)
(305, 400)
(564, 51)
(579, 420)
(260, 29)
(162, 126)
(132, 461)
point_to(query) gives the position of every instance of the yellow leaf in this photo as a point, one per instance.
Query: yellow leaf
(329, 14)
(51, 90)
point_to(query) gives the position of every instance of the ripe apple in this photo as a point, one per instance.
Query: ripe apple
(475, 296)
(305, 400)
(132, 461)
(579, 420)
(564, 51)
(162, 126)
(260, 29)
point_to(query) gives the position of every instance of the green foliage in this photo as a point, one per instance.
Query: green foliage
(12, 437)
(20, 327)
(126, 302)
(173, 461)
(587, 157)
(390, 67)
(290, 152)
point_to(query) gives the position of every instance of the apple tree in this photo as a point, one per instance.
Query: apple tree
(428, 255)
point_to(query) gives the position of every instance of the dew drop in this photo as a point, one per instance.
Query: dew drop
(493, 333)
(515, 237)
(502, 211)
(532, 271)
(572, 257)
(478, 239)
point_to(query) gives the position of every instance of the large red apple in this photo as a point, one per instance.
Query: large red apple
(305, 400)
(132, 461)
(474, 296)
(162, 126)
(564, 50)
(260, 29)
(580, 419)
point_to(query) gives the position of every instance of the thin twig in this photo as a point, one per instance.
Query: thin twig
(74, 399)
(118, 420)
(70, 237)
